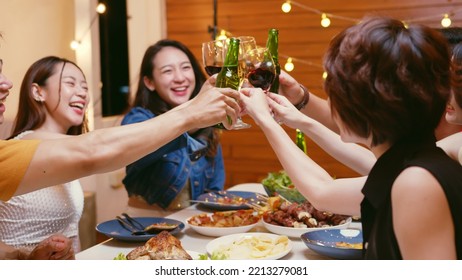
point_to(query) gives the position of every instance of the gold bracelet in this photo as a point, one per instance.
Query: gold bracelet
(306, 98)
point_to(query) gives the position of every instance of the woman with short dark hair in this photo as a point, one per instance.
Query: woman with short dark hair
(388, 85)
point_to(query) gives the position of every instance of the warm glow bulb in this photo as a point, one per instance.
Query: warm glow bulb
(222, 35)
(289, 66)
(325, 21)
(324, 75)
(446, 21)
(101, 8)
(75, 45)
(286, 7)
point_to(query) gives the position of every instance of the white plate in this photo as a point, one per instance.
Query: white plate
(249, 187)
(219, 231)
(194, 255)
(225, 241)
(297, 232)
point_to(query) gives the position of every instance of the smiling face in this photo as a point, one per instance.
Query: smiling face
(172, 77)
(65, 96)
(5, 86)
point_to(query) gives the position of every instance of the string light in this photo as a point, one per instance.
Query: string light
(75, 45)
(325, 21)
(286, 7)
(100, 9)
(289, 66)
(446, 21)
(223, 35)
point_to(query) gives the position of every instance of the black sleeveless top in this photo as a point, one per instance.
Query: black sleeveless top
(376, 210)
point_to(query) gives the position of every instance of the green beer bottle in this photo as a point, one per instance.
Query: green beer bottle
(300, 140)
(229, 75)
(272, 46)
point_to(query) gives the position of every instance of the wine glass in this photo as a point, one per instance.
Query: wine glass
(213, 56)
(260, 68)
(247, 43)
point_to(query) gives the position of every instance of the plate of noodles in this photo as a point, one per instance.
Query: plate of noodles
(250, 245)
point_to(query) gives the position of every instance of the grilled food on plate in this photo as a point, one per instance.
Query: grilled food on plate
(163, 246)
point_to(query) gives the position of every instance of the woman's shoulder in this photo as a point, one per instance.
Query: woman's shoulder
(137, 114)
(30, 134)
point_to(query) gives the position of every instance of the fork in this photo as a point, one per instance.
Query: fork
(134, 222)
(126, 225)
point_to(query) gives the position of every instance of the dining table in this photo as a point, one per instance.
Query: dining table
(193, 241)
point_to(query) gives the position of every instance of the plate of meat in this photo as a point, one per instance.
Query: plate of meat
(224, 222)
(163, 246)
(294, 219)
(228, 200)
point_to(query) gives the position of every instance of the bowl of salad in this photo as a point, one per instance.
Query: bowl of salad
(280, 183)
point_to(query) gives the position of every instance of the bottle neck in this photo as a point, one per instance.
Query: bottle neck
(232, 55)
(272, 45)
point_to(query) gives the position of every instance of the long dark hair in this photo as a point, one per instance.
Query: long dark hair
(31, 114)
(151, 100)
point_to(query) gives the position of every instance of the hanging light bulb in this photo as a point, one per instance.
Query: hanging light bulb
(75, 45)
(324, 75)
(289, 66)
(446, 21)
(286, 7)
(325, 21)
(101, 8)
(222, 35)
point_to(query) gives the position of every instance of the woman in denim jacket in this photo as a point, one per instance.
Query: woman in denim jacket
(165, 180)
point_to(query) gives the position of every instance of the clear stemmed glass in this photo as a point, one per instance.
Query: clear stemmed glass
(247, 43)
(260, 68)
(213, 57)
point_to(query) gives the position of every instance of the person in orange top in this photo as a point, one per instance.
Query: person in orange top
(29, 165)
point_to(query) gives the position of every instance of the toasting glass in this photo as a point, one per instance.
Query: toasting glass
(213, 56)
(260, 68)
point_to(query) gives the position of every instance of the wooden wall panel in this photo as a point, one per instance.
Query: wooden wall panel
(248, 156)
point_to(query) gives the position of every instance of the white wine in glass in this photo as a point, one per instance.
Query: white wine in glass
(247, 43)
(230, 76)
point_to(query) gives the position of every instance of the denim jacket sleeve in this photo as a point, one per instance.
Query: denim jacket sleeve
(218, 180)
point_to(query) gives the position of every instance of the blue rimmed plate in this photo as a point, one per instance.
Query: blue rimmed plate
(344, 244)
(112, 228)
(227, 200)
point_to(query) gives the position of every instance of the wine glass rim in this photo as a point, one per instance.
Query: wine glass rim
(258, 49)
(212, 41)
